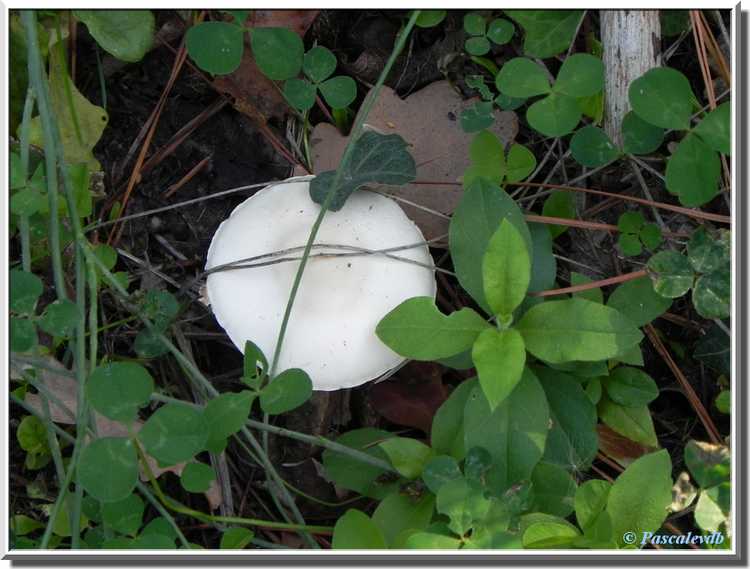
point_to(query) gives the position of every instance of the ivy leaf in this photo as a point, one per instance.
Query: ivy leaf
(439, 470)
(279, 52)
(108, 469)
(354, 530)
(715, 130)
(477, 117)
(499, 356)
(576, 329)
(174, 433)
(581, 75)
(639, 136)
(522, 78)
(287, 391)
(591, 147)
(376, 158)
(339, 92)
(25, 290)
(319, 63)
(637, 300)
(712, 294)
(671, 273)
(662, 97)
(300, 93)
(225, 415)
(630, 387)
(506, 270)
(117, 390)
(693, 172)
(408, 456)
(555, 115)
(126, 34)
(196, 477)
(416, 329)
(547, 32)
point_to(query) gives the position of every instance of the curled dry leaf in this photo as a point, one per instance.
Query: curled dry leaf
(621, 449)
(429, 122)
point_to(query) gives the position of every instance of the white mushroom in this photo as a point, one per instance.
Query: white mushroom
(341, 299)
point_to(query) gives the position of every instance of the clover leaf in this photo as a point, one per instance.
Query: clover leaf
(318, 65)
(499, 32)
(636, 233)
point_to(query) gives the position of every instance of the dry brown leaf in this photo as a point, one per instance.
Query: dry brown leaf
(429, 122)
(620, 448)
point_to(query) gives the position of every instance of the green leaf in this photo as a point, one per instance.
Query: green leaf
(148, 345)
(197, 477)
(216, 47)
(124, 516)
(630, 222)
(715, 350)
(319, 64)
(629, 244)
(354, 530)
(723, 402)
(339, 92)
(671, 273)
(478, 45)
(640, 497)
(499, 356)
(592, 294)
(712, 294)
(487, 159)
(279, 52)
(662, 97)
(287, 391)
(710, 464)
(559, 204)
(60, 318)
(32, 435)
(673, 22)
(506, 270)
(591, 147)
(108, 469)
(161, 307)
(650, 236)
(707, 254)
(590, 501)
(375, 158)
(480, 212)
(477, 82)
(572, 441)
(576, 329)
(447, 434)
(399, 512)
(439, 470)
(430, 18)
(522, 78)
(474, 24)
(25, 290)
(432, 540)
(117, 390)
(708, 514)
(543, 265)
(520, 163)
(634, 423)
(23, 334)
(548, 32)
(514, 433)
(351, 473)
(27, 201)
(549, 535)
(174, 433)
(17, 176)
(126, 34)
(21, 524)
(225, 415)
(477, 117)
(300, 93)
(630, 387)
(463, 504)
(637, 300)
(554, 116)
(239, 16)
(554, 490)
(693, 172)
(408, 456)
(500, 31)
(507, 103)
(416, 329)
(715, 130)
(581, 75)
(639, 136)
(236, 538)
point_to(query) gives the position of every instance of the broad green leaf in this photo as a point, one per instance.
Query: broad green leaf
(108, 469)
(630, 222)
(463, 504)
(559, 204)
(710, 464)
(506, 270)
(126, 34)
(671, 273)
(480, 212)
(639, 136)
(553, 489)
(693, 172)
(487, 159)
(499, 356)
(640, 497)
(23, 335)
(319, 63)
(547, 32)
(650, 235)
(522, 78)
(555, 115)
(476, 465)
(581, 370)
(300, 93)
(239, 16)
(225, 415)
(712, 294)
(60, 318)
(708, 514)
(715, 129)
(430, 18)
(287, 391)
(25, 290)
(148, 345)
(507, 103)
(117, 390)
(160, 526)
(21, 524)
(634, 423)
(673, 22)
(581, 75)
(543, 264)
(590, 501)
(339, 92)
(279, 52)
(375, 158)
(707, 254)
(353, 474)
(174, 433)
(447, 434)
(514, 433)
(236, 538)
(161, 307)
(500, 31)
(475, 24)
(428, 540)
(32, 435)
(629, 244)
(630, 387)
(124, 516)
(637, 300)
(715, 350)
(408, 456)
(416, 329)
(17, 176)
(439, 470)
(398, 512)
(592, 294)
(662, 97)
(576, 329)
(355, 530)
(590, 146)
(723, 401)
(549, 535)
(478, 45)
(197, 477)
(519, 164)
(572, 441)
(216, 47)
(27, 201)
(477, 117)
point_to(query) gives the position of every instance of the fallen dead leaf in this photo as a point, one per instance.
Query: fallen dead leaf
(620, 448)
(429, 122)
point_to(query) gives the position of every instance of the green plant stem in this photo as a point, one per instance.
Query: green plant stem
(23, 220)
(100, 73)
(143, 489)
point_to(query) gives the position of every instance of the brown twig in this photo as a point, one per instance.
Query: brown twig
(594, 284)
(187, 177)
(583, 224)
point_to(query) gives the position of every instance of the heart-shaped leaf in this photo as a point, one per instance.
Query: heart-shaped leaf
(547, 32)
(126, 34)
(288, 390)
(339, 92)
(319, 63)
(592, 147)
(108, 469)
(555, 115)
(522, 78)
(300, 93)
(216, 46)
(279, 52)
(671, 273)
(639, 136)
(25, 290)
(712, 294)
(693, 172)
(117, 390)
(581, 75)
(500, 31)
(174, 433)
(715, 130)
(662, 97)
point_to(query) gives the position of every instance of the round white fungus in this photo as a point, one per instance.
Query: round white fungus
(341, 299)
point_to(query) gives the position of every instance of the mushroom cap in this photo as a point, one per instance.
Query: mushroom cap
(341, 299)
